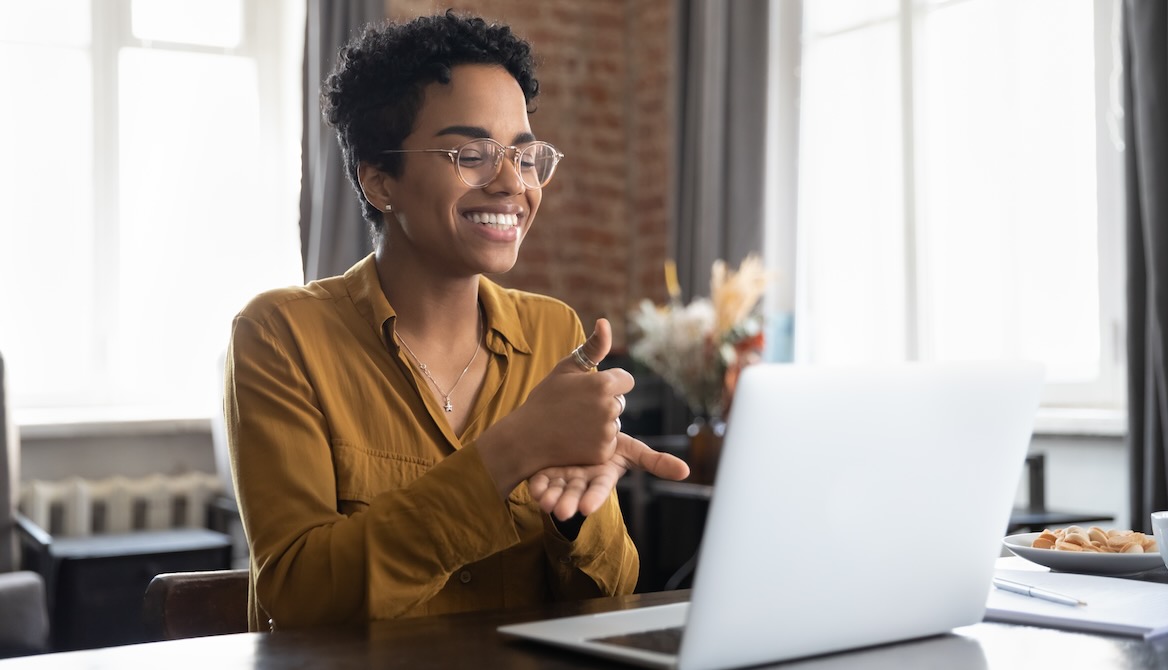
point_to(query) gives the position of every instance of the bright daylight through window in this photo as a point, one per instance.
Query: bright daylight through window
(149, 176)
(960, 190)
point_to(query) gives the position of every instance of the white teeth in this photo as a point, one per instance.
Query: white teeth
(501, 221)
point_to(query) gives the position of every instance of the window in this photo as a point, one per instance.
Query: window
(960, 187)
(149, 176)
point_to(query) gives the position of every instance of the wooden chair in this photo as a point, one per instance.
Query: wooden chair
(196, 604)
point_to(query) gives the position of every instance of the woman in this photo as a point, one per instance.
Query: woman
(411, 438)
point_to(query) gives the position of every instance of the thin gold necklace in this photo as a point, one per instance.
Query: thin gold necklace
(426, 369)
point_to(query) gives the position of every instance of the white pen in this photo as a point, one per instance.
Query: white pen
(1035, 592)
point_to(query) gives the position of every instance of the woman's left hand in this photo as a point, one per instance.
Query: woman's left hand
(566, 490)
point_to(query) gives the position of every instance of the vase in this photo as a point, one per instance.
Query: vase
(705, 447)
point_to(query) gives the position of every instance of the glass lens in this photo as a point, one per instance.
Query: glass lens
(478, 162)
(537, 162)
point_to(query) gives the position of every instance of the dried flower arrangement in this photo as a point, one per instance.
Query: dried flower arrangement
(699, 348)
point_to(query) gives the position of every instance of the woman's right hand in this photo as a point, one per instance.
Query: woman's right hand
(569, 419)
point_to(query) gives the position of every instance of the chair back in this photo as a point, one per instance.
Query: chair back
(9, 478)
(219, 434)
(195, 604)
(24, 618)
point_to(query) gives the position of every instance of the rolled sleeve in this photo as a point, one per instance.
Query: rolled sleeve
(601, 561)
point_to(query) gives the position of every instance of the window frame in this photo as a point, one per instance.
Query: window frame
(269, 35)
(1102, 400)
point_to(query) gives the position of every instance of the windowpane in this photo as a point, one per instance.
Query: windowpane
(829, 16)
(851, 216)
(209, 22)
(1015, 201)
(64, 22)
(198, 236)
(1007, 185)
(47, 327)
(143, 200)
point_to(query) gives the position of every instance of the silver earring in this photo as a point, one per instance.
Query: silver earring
(389, 208)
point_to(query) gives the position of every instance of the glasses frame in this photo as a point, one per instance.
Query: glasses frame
(515, 152)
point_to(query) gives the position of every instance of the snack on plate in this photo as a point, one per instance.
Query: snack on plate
(1097, 540)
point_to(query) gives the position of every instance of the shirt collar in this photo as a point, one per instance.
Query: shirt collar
(502, 317)
(501, 314)
(364, 289)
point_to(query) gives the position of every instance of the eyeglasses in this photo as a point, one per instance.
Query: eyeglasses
(478, 161)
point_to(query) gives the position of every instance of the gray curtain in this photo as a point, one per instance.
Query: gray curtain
(723, 87)
(1146, 137)
(333, 235)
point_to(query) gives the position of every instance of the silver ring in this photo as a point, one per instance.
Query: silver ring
(583, 361)
(621, 399)
(618, 424)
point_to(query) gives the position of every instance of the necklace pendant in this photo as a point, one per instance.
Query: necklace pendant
(448, 407)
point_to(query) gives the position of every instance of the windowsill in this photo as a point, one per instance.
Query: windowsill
(108, 421)
(1081, 422)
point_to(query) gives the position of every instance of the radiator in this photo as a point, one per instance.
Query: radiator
(77, 507)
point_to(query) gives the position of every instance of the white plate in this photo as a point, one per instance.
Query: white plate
(1074, 561)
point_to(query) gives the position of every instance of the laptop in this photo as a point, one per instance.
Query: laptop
(853, 506)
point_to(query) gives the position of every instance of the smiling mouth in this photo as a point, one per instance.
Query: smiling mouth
(496, 221)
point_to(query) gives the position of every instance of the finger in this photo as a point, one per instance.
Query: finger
(598, 492)
(659, 464)
(594, 349)
(615, 382)
(550, 496)
(549, 500)
(555, 486)
(537, 485)
(557, 483)
(569, 502)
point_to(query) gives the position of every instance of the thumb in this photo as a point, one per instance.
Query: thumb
(595, 348)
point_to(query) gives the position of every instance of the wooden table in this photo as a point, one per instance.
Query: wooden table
(471, 641)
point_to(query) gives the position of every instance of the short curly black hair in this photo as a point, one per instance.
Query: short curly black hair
(372, 96)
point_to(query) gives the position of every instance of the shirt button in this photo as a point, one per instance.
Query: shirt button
(464, 576)
(565, 559)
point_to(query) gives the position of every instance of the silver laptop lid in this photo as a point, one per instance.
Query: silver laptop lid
(853, 507)
(856, 506)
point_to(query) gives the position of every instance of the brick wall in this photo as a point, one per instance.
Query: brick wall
(607, 83)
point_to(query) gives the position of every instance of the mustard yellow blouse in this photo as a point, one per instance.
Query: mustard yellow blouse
(358, 500)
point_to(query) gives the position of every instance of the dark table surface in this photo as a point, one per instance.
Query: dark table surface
(471, 641)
